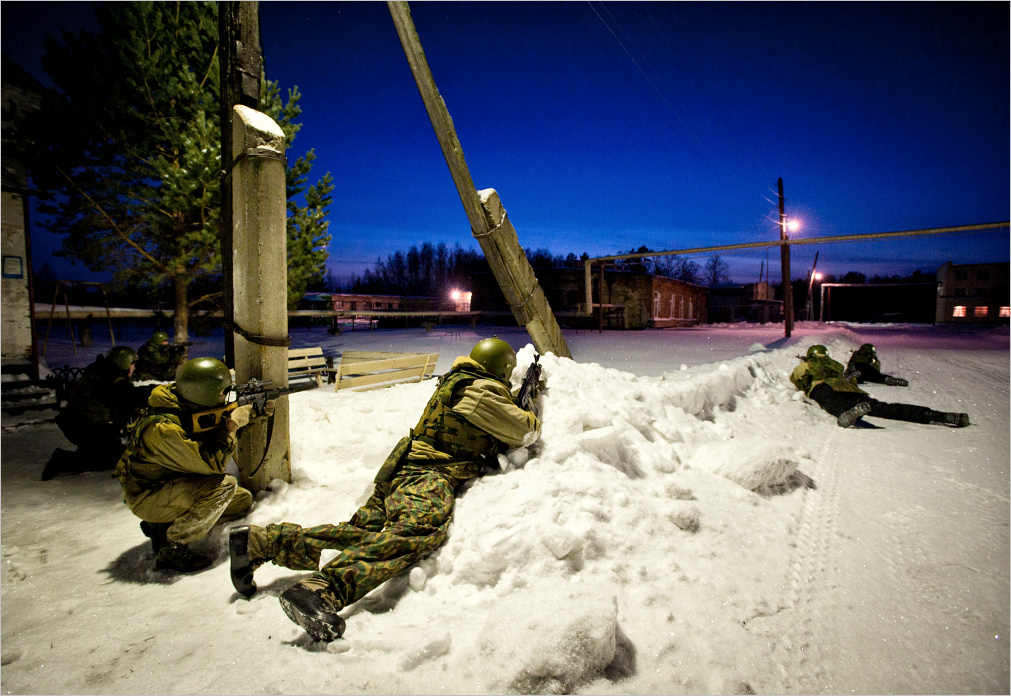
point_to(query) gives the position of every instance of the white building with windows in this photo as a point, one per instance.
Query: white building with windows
(973, 293)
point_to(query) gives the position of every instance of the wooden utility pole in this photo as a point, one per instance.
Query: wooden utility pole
(240, 63)
(784, 256)
(487, 217)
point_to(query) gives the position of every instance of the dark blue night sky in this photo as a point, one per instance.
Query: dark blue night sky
(606, 126)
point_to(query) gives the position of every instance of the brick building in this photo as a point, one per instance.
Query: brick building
(632, 300)
(973, 293)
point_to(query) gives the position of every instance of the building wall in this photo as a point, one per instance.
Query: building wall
(973, 293)
(350, 302)
(16, 310)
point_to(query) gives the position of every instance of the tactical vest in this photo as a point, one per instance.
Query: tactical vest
(449, 432)
(865, 357)
(132, 486)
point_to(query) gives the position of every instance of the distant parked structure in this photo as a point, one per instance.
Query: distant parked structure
(631, 299)
(973, 293)
(752, 302)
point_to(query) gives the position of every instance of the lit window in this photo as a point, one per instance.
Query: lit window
(656, 304)
(1005, 312)
(959, 311)
(980, 311)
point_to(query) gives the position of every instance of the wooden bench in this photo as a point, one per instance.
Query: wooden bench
(307, 362)
(372, 370)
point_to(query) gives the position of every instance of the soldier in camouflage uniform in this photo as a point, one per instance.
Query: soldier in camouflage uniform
(97, 411)
(173, 479)
(824, 381)
(156, 359)
(865, 366)
(470, 417)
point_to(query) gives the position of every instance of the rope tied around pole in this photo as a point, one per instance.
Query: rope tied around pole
(256, 338)
(255, 153)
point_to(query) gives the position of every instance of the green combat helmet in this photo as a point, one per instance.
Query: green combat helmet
(817, 350)
(157, 338)
(496, 356)
(122, 357)
(203, 381)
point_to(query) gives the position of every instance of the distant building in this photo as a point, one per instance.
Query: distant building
(973, 293)
(631, 299)
(750, 302)
(352, 302)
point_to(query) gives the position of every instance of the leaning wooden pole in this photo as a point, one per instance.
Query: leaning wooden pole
(487, 216)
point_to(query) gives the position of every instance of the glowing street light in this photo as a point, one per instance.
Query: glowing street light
(793, 225)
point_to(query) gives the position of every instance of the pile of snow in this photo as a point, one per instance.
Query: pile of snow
(687, 523)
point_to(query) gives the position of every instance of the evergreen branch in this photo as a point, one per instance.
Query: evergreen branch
(210, 66)
(101, 211)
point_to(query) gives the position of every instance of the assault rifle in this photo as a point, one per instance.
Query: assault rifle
(531, 385)
(256, 392)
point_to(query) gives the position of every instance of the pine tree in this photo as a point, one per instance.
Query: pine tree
(127, 152)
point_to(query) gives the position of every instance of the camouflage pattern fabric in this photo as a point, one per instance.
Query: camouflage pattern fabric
(104, 396)
(403, 521)
(470, 415)
(822, 370)
(169, 475)
(865, 356)
(155, 361)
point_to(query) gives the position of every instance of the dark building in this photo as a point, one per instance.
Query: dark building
(973, 293)
(632, 299)
(743, 303)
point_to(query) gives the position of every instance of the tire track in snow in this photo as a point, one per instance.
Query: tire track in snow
(811, 570)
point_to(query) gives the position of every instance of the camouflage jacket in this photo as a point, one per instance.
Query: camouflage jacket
(822, 370)
(863, 356)
(471, 416)
(104, 395)
(162, 448)
(155, 361)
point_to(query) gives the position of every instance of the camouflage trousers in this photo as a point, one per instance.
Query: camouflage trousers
(404, 521)
(192, 505)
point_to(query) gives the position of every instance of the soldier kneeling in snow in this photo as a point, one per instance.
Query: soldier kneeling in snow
(824, 381)
(470, 417)
(173, 478)
(865, 366)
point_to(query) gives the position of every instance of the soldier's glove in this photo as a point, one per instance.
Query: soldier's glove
(268, 408)
(238, 418)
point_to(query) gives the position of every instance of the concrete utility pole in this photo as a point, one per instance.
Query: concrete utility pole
(240, 65)
(487, 217)
(784, 256)
(260, 270)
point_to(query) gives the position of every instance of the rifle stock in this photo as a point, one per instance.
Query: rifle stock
(256, 392)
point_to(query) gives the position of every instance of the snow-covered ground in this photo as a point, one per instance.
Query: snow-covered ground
(688, 523)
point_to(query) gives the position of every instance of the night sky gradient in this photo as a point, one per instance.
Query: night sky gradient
(606, 126)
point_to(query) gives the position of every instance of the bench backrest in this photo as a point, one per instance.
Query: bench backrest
(304, 362)
(372, 369)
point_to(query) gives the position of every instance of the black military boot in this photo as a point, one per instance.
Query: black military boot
(896, 381)
(853, 414)
(242, 568)
(155, 531)
(308, 603)
(176, 556)
(955, 420)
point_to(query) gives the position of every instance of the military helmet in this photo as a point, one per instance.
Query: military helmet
(122, 357)
(866, 348)
(203, 381)
(496, 356)
(157, 338)
(817, 349)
